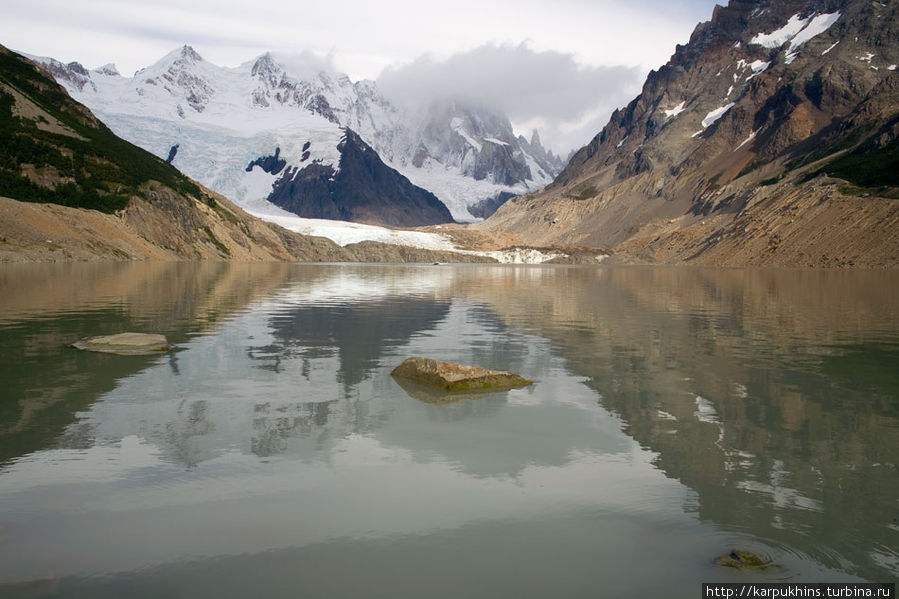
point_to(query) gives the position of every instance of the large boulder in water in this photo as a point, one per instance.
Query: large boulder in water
(450, 376)
(128, 344)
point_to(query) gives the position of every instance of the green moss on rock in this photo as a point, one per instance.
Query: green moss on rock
(742, 560)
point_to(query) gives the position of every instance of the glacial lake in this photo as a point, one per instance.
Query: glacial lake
(677, 414)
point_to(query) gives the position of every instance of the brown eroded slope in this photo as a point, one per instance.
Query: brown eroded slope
(665, 181)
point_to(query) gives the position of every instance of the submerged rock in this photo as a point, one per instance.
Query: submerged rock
(742, 560)
(127, 344)
(450, 376)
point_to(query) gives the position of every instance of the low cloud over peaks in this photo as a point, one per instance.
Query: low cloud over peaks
(545, 87)
(304, 65)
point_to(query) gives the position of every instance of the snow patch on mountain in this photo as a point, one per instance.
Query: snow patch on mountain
(716, 114)
(757, 67)
(748, 139)
(818, 25)
(797, 31)
(831, 47)
(677, 109)
(779, 37)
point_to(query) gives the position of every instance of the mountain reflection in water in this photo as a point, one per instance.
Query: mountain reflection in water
(768, 399)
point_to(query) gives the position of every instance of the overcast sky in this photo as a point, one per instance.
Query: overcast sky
(559, 66)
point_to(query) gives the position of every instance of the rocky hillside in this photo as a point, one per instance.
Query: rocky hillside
(770, 138)
(71, 190)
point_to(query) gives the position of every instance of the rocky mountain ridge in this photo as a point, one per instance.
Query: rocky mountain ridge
(723, 158)
(361, 189)
(219, 119)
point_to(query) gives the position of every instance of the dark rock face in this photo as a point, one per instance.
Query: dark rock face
(488, 206)
(173, 151)
(362, 189)
(270, 164)
(318, 104)
(307, 192)
(497, 161)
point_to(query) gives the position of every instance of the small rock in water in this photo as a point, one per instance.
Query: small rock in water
(126, 344)
(450, 376)
(742, 560)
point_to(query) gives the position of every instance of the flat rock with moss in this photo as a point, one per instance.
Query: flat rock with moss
(743, 560)
(128, 344)
(450, 376)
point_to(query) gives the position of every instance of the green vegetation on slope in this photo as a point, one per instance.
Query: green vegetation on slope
(877, 169)
(90, 167)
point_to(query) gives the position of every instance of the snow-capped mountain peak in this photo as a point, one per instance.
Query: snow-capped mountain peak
(182, 73)
(211, 122)
(181, 57)
(267, 71)
(108, 69)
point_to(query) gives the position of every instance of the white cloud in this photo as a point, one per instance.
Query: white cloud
(546, 90)
(590, 40)
(365, 36)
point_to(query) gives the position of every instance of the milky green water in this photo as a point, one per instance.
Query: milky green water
(677, 413)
